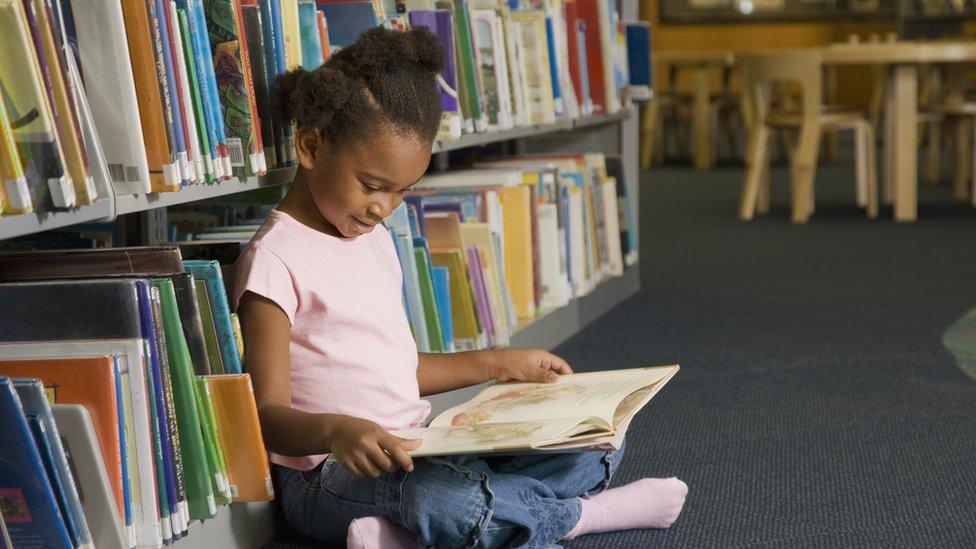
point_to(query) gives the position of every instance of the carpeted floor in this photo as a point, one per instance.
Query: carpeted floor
(816, 405)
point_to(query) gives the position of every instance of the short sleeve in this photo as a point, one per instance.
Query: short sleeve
(261, 271)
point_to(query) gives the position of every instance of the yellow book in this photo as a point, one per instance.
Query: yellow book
(479, 236)
(516, 203)
(67, 120)
(14, 194)
(239, 430)
(292, 33)
(467, 332)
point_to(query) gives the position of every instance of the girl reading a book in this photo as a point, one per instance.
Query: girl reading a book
(331, 354)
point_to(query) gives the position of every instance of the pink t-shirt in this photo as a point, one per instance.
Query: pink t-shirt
(351, 349)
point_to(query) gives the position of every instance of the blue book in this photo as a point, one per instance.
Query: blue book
(308, 25)
(441, 277)
(554, 60)
(30, 511)
(639, 59)
(346, 21)
(399, 225)
(208, 85)
(415, 213)
(166, 489)
(38, 411)
(199, 67)
(162, 8)
(271, 68)
(209, 272)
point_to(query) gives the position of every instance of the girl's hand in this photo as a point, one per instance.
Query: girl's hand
(528, 365)
(366, 449)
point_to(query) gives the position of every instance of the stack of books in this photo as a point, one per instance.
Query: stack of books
(125, 412)
(159, 95)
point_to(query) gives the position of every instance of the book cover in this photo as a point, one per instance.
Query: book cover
(254, 25)
(257, 160)
(29, 113)
(240, 437)
(628, 225)
(441, 23)
(30, 512)
(132, 358)
(442, 294)
(63, 111)
(475, 119)
(639, 59)
(15, 197)
(291, 34)
(346, 21)
(558, 101)
(596, 16)
(403, 238)
(529, 29)
(532, 417)
(170, 88)
(480, 294)
(80, 444)
(323, 28)
(209, 272)
(207, 72)
(232, 85)
(484, 33)
(209, 328)
(91, 383)
(211, 442)
(152, 146)
(189, 307)
(309, 29)
(426, 285)
(35, 405)
(479, 235)
(196, 473)
(196, 46)
(136, 261)
(467, 334)
(281, 63)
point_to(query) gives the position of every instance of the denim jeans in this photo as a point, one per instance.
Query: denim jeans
(452, 502)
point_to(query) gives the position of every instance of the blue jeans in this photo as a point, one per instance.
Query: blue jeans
(452, 502)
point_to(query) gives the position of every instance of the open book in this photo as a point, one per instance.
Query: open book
(578, 412)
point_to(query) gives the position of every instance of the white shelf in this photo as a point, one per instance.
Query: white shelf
(563, 124)
(141, 202)
(19, 225)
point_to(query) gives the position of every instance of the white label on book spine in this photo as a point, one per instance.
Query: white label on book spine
(228, 166)
(186, 170)
(18, 195)
(268, 486)
(62, 192)
(211, 505)
(236, 150)
(208, 167)
(171, 175)
(255, 160)
(167, 527)
(90, 188)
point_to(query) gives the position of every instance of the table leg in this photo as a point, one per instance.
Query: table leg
(904, 131)
(701, 118)
(961, 160)
(891, 113)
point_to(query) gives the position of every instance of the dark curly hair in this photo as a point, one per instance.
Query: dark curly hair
(385, 77)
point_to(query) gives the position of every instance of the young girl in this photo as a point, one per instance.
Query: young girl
(331, 355)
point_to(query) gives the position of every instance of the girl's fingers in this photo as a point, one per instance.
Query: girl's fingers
(351, 466)
(367, 467)
(394, 447)
(379, 458)
(559, 365)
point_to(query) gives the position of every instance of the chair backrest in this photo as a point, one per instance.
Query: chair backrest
(799, 67)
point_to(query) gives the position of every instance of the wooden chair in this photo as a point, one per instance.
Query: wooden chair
(804, 70)
(960, 113)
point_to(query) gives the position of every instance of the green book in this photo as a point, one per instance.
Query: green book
(208, 424)
(474, 116)
(196, 472)
(209, 328)
(198, 115)
(435, 336)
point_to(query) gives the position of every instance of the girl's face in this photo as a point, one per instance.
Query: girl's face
(356, 186)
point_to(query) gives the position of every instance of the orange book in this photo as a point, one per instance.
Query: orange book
(154, 132)
(89, 382)
(240, 437)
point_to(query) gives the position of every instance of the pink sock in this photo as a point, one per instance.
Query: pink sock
(646, 503)
(378, 533)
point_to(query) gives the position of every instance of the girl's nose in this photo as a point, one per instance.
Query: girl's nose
(385, 205)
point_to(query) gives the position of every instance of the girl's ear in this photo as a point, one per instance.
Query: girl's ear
(309, 145)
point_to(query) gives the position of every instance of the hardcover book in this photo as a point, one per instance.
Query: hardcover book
(516, 418)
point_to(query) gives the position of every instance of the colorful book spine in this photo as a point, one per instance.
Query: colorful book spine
(254, 24)
(309, 30)
(174, 177)
(258, 163)
(199, 28)
(194, 152)
(206, 149)
(15, 194)
(323, 27)
(209, 272)
(291, 33)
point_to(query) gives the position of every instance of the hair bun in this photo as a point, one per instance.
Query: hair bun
(310, 97)
(380, 51)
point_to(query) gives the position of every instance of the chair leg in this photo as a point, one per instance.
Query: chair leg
(755, 166)
(860, 166)
(763, 206)
(804, 172)
(933, 154)
(962, 160)
(872, 171)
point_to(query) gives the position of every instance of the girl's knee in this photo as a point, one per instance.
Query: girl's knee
(448, 503)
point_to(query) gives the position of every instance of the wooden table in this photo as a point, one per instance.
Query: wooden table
(700, 62)
(901, 110)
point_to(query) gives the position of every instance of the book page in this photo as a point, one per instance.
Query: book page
(596, 394)
(493, 437)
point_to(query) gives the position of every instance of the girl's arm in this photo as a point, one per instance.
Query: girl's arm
(440, 372)
(360, 445)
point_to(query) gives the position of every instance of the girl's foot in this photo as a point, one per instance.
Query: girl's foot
(378, 533)
(646, 503)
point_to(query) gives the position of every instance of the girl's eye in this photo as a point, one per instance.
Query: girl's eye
(369, 188)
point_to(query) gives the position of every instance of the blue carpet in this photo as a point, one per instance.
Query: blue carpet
(816, 405)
